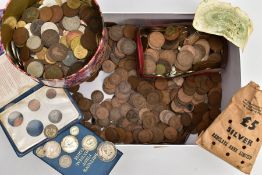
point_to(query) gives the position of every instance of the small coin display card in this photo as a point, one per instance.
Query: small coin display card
(38, 117)
(79, 151)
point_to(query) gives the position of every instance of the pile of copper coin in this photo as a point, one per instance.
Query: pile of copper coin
(173, 49)
(55, 42)
(148, 111)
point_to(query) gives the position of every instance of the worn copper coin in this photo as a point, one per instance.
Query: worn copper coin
(156, 40)
(46, 14)
(57, 13)
(53, 72)
(145, 136)
(34, 105)
(58, 52)
(116, 32)
(20, 36)
(50, 37)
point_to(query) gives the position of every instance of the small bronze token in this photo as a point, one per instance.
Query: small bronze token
(97, 96)
(108, 66)
(30, 14)
(35, 27)
(51, 93)
(20, 36)
(53, 72)
(58, 52)
(158, 135)
(51, 131)
(46, 14)
(116, 32)
(57, 13)
(50, 37)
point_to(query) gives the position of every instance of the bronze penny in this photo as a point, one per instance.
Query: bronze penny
(50, 37)
(145, 136)
(158, 135)
(145, 88)
(216, 43)
(125, 108)
(175, 122)
(57, 13)
(116, 32)
(149, 66)
(20, 36)
(216, 77)
(161, 83)
(115, 78)
(170, 133)
(58, 52)
(84, 104)
(129, 31)
(68, 12)
(186, 119)
(133, 81)
(156, 40)
(138, 100)
(124, 87)
(129, 138)
(53, 72)
(24, 54)
(168, 55)
(185, 58)
(34, 105)
(45, 14)
(108, 87)
(148, 120)
(97, 96)
(123, 73)
(108, 66)
(51, 93)
(153, 53)
(30, 14)
(122, 134)
(75, 68)
(153, 98)
(35, 27)
(132, 116)
(115, 114)
(112, 135)
(93, 108)
(102, 113)
(88, 40)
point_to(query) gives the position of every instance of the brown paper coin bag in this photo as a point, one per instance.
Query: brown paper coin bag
(235, 136)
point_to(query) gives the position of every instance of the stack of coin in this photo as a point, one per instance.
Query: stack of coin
(57, 41)
(172, 49)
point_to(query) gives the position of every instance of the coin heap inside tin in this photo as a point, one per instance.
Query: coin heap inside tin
(148, 111)
(177, 49)
(57, 41)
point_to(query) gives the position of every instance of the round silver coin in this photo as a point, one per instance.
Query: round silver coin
(106, 151)
(40, 151)
(74, 131)
(89, 143)
(52, 149)
(65, 161)
(69, 144)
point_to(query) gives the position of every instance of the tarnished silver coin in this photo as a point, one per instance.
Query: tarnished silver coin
(70, 59)
(65, 161)
(71, 23)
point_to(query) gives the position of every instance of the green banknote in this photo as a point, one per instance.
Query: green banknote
(221, 18)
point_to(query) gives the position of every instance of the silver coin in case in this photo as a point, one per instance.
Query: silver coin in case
(65, 161)
(106, 151)
(69, 144)
(89, 143)
(74, 130)
(52, 149)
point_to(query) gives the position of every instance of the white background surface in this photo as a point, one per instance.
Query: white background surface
(169, 160)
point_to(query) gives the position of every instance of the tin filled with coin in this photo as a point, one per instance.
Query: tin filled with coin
(59, 44)
(177, 49)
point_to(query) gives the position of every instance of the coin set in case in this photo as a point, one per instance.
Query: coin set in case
(36, 117)
(79, 151)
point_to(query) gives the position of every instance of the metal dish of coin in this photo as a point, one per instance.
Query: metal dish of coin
(48, 24)
(177, 49)
(106, 151)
